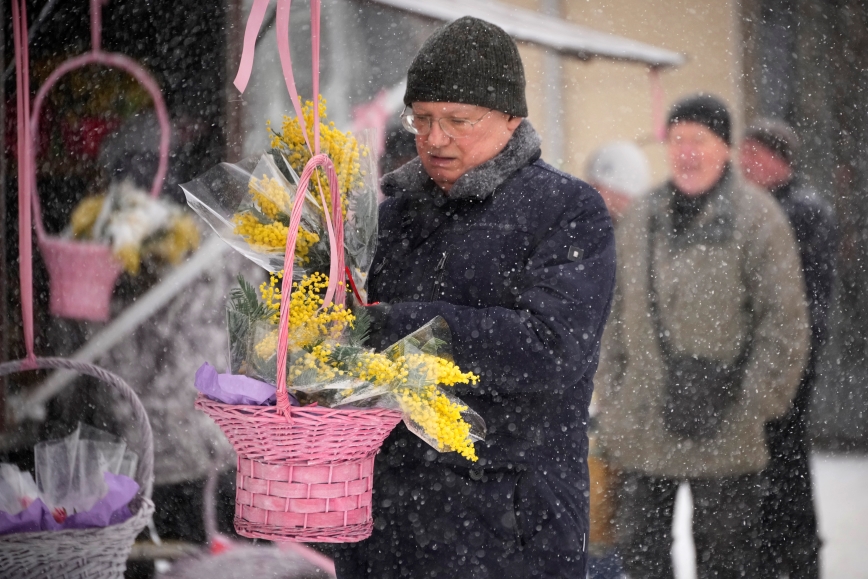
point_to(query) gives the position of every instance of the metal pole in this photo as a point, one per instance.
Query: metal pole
(553, 77)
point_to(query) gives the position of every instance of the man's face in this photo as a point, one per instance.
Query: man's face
(762, 166)
(446, 159)
(697, 157)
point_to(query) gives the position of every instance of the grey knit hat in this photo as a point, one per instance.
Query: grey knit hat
(775, 135)
(704, 109)
(469, 61)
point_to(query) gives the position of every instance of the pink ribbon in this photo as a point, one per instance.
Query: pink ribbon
(657, 113)
(25, 237)
(336, 291)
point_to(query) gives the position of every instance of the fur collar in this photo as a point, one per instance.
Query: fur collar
(479, 182)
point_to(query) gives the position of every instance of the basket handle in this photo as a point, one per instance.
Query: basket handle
(145, 468)
(336, 291)
(115, 61)
(112, 60)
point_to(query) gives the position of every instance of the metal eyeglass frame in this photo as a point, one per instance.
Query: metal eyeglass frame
(408, 126)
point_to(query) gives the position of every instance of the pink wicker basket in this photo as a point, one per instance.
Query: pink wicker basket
(309, 480)
(304, 474)
(82, 277)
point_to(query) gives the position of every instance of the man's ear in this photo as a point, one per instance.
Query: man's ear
(513, 122)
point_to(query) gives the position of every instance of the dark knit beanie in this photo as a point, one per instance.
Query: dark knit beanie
(775, 135)
(469, 61)
(706, 110)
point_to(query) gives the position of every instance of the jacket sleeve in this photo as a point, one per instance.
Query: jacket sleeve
(552, 334)
(613, 359)
(780, 316)
(819, 255)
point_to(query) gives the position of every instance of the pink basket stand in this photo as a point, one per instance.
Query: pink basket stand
(315, 481)
(82, 277)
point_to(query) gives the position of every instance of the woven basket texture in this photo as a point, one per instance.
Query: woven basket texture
(305, 480)
(83, 553)
(246, 562)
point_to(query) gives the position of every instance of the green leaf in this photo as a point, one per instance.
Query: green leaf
(433, 346)
(361, 330)
(244, 300)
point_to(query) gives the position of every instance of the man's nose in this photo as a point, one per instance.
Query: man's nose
(437, 138)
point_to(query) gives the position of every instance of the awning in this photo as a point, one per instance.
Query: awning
(550, 31)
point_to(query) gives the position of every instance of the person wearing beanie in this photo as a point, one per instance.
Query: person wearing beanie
(789, 533)
(706, 343)
(619, 171)
(519, 259)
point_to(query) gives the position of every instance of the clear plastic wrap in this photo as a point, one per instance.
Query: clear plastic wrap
(70, 471)
(17, 489)
(248, 205)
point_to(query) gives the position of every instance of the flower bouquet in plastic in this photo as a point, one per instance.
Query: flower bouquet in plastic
(328, 363)
(82, 481)
(249, 203)
(138, 227)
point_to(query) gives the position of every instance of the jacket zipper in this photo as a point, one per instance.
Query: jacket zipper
(438, 277)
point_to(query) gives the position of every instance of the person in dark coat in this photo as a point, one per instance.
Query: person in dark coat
(519, 259)
(789, 523)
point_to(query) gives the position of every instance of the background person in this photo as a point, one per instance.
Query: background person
(619, 171)
(708, 338)
(519, 259)
(791, 543)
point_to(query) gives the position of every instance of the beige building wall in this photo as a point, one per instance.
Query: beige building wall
(604, 100)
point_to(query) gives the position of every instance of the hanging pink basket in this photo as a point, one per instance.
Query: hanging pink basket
(82, 277)
(308, 480)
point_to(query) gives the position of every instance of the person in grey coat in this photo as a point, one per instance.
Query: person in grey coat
(707, 341)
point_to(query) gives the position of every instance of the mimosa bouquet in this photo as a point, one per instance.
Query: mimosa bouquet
(329, 364)
(249, 203)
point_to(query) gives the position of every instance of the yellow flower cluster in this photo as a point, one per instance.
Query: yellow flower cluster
(414, 378)
(436, 370)
(181, 238)
(309, 322)
(343, 148)
(170, 244)
(267, 346)
(318, 360)
(439, 417)
(84, 216)
(272, 200)
(379, 369)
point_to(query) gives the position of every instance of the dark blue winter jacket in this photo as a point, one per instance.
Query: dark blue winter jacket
(519, 258)
(816, 229)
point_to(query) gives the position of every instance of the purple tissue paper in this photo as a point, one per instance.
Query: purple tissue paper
(111, 509)
(235, 389)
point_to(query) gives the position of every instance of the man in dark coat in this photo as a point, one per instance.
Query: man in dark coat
(789, 524)
(519, 259)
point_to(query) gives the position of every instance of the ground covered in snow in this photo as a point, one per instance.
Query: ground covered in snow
(841, 487)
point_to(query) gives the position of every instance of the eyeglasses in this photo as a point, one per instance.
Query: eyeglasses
(452, 127)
